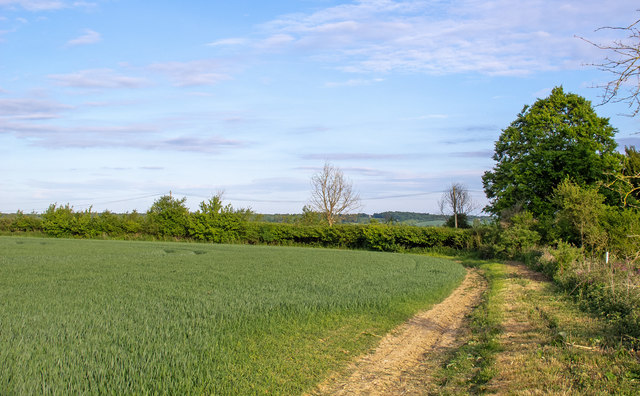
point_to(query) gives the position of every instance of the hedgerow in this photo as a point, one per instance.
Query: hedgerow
(169, 219)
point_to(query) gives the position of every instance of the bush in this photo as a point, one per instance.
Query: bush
(609, 290)
(25, 223)
(5, 223)
(168, 217)
(59, 221)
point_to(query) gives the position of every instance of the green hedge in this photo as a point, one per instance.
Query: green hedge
(63, 221)
(390, 238)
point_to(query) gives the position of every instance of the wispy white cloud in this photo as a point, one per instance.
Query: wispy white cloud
(354, 82)
(194, 73)
(30, 109)
(275, 42)
(427, 117)
(148, 136)
(89, 37)
(357, 156)
(499, 37)
(473, 154)
(33, 5)
(98, 78)
(233, 41)
(41, 5)
(35, 121)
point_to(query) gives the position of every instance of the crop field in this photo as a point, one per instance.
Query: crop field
(118, 317)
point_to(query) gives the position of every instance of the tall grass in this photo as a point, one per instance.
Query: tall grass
(86, 316)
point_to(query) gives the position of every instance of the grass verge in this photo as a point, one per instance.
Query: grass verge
(472, 365)
(530, 337)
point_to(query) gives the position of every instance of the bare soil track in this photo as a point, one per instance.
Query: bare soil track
(402, 362)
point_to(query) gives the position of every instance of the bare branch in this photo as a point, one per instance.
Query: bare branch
(332, 194)
(624, 64)
(456, 201)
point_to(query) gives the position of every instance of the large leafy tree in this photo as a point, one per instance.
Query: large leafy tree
(557, 138)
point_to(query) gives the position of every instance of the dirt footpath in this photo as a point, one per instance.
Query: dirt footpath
(402, 362)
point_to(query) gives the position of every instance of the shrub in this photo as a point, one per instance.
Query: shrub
(5, 223)
(217, 223)
(25, 223)
(566, 257)
(59, 221)
(168, 217)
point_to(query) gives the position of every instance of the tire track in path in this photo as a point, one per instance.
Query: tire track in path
(403, 361)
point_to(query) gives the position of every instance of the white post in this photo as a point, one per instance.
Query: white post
(606, 258)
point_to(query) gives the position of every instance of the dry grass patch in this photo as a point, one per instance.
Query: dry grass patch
(528, 338)
(549, 346)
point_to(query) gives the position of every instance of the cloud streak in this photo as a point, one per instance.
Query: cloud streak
(116, 137)
(357, 156)
(89, 37)
(500, 37)
(34, 5)
(354, 82)
(194, 73)
(30, 108)
(44, 5)
(98, 79)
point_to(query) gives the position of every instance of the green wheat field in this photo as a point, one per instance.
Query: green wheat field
(121, 317)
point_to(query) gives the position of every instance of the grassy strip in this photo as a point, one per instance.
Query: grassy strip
(472, 365)
(574, 352)
(116, 317)
(528, 336)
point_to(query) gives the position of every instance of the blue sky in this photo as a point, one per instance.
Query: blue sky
(114, 103)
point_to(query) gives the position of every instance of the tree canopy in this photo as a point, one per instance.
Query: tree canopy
(557, 138)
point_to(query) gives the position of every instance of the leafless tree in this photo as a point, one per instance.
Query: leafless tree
(623, 62)
(456, 201)
(332, 194)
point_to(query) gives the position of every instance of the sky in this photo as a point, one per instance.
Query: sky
(112, 104)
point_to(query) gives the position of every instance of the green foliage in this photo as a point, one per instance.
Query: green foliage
(401, 217)
(510, 239)
(381, 237)
(556, 138)
(472, 366)
(5, 222)
(631, 170)
(168, 216)
(59, 221)
(626, 183)
(518, 237)
(309, 217)
(25, 223)
(218, 223)
(109, 224)
(63, 221)
(132, 223)
(121, 317)
(566, 256)
(463, 221)
(580, 217)
(623, 232)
